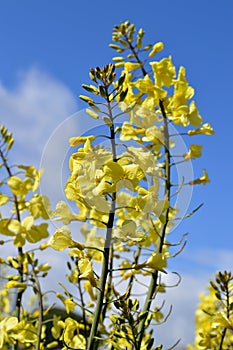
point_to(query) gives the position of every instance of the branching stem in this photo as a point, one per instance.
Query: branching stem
(155, 275)
(93, 342)
(20, 249)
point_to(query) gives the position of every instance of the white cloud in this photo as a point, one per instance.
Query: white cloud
(32, 109)
(212, 258)
(181, 322)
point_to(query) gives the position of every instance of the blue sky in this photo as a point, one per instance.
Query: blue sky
(47, 48)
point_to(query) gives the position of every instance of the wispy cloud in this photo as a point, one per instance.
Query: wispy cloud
(211, 258)
(33, 108)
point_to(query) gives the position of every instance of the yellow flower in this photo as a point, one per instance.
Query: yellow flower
(205, 129)
(156, 48)
(62, 240)
(3, 199)
(194, 152)
(93, 241)
(71, 337)
(131, 133)
(164, 72)
(88, 287)
(26, 230)
(204, 179)
(155, 135)
(194, 116)
(20, 187)
(64, 214)
(178, 104)
(39, 206)
(7, 326)
(76, 141)
(131, 66)
(85, 267)
(153, 91)
(157, 261)
(68, 302)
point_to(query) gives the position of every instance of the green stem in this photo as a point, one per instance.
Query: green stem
(132, 277)
(155, 275)
(132, 48)
(109, 283)
(104, 273)
(228, 315)
(41, 309)
(20, 249)
(93, 342)
(83, 307)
